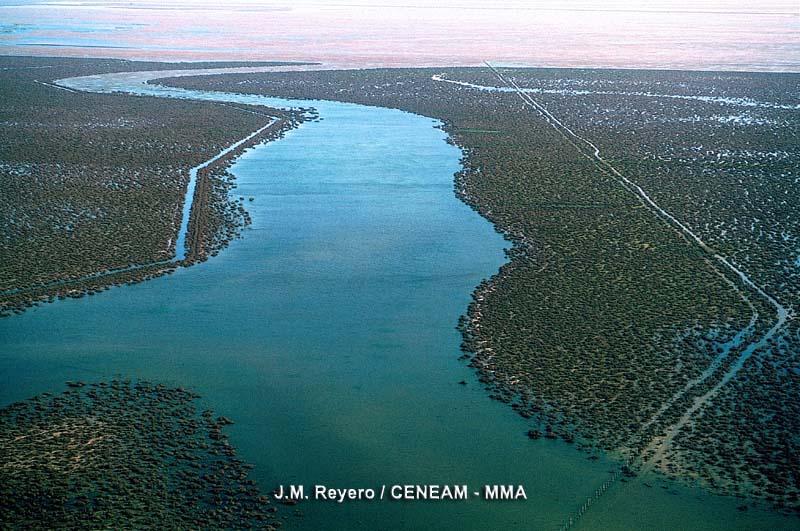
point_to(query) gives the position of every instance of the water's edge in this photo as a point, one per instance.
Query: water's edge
(328, 334)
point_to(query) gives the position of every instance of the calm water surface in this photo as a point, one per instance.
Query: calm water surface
(327, 334)
(672, 34)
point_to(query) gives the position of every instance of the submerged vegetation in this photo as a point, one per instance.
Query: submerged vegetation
(609, 322)
(93, 184)
(122, 455)
(611, 326)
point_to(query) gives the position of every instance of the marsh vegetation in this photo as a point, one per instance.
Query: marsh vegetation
(93, 184)
(123, 455)
(607, 322)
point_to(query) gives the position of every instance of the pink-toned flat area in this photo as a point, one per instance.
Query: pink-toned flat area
(672, 34)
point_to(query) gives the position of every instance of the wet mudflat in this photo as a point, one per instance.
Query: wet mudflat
(94, 183)
(123, 455)
(556, 326)
(327, 333)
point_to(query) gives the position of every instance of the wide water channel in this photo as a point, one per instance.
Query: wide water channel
(327, 333)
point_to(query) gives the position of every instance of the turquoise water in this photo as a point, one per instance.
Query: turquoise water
(327, 334)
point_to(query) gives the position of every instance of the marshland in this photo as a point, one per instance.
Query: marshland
(330, 331)
(128, 455)
(93, 184)
(608, 322)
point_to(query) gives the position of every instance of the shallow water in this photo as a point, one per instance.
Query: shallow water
(327, 334)
(670, 34)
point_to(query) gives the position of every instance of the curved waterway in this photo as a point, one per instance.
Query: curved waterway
(328, 334)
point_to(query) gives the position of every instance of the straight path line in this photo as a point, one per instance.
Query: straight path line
(661, 445)
(180, 248)
(51, 85)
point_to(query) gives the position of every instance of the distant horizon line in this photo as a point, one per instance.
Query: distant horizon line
(478, 64)
(244, 6)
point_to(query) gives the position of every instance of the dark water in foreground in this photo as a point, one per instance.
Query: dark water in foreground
(327, 334)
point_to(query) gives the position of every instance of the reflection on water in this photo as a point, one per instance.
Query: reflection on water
(327, 333)
(701, 35)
